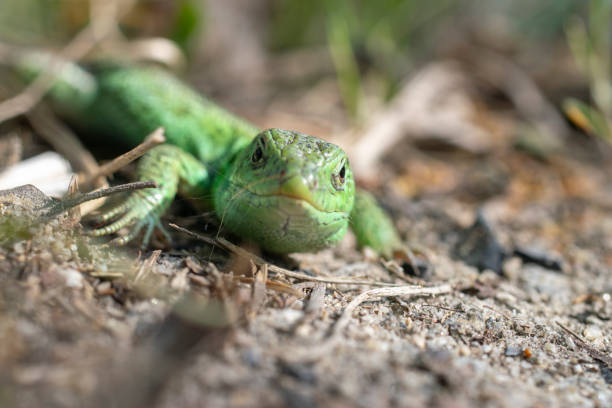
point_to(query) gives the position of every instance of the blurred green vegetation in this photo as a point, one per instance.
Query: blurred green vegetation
(590, 42)
(32, 21)
(383, 39)
(360, 34)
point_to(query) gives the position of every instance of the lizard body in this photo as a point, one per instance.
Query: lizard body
(283, 190)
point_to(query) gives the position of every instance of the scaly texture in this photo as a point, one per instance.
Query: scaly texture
(282, 190)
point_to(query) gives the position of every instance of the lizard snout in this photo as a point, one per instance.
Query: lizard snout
(297, 187)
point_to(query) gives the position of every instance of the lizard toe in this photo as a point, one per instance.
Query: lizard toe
(141, 210)
(112, 213)
(149, 224)
(115, 226)
(130, 236)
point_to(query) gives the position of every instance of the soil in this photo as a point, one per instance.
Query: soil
(82, 326)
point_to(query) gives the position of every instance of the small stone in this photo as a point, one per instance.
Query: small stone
(513, 351)
(464, 351)
(19, 247)
(592, 333)
(419, 341)
(506, 298)
(440, 342)
(304, 331)
(515, 371)
(409, 324)
(72, 277)
(550, 348)
(577, 369)
(288, 317)
(512, 268)
(103, 287)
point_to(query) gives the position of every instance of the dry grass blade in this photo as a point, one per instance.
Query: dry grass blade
(10, 149)
(68, 203)
(65, 142)
(225, 244)
(314, 353)
(103, 23)
(273, 285)
(155, 138)
(387, 292)
(593, 352)
(523, 91)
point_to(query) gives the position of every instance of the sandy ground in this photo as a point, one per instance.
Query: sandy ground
(95, 328)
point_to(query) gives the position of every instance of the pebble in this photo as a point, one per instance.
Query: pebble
(19, 247)
(103, 287)
(288, 317)
(514, 371)
(72, 277)
(440, 342)
(506, 297)
(304, 331)
(550, 348)
(409, 324)
(513, 351)
(419, 341)
(464, 350)
(592, 333)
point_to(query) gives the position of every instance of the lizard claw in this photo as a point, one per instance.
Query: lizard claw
(142, 210)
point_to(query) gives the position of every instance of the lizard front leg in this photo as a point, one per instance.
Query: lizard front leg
(172, 169)
(372, 226)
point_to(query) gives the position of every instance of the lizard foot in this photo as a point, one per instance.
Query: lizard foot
(142, 210)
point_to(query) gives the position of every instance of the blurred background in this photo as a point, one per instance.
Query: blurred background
(487, 82)
(482, 126)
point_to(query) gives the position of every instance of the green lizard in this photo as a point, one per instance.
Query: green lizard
(282, 190)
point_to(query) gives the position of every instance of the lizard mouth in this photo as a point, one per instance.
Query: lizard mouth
(295, 188)
(296, 198)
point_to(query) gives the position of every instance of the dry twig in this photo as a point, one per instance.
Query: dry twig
(225, 244)
(593, 352)
(154, 139)
(68, 203)
(103, 22)
(63, 140)
(313, 353)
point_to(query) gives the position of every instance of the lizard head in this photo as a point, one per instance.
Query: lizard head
(287, 192)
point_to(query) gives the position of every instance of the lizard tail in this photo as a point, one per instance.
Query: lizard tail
(73, 87)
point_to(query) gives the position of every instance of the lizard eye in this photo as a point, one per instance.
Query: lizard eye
(339, 178)
(258, 152)
(341, 174)
(257, 155)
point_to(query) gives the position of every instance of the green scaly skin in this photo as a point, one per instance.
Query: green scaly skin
(282, 190)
